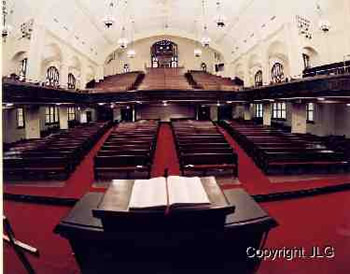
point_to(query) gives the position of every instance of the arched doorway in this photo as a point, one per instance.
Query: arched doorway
(164, 54)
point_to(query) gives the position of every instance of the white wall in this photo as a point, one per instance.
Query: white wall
(143, 55)
(165, 113)
(329, 119)
(46, 49)
(9, 127)
(342, 126)
(326, 47)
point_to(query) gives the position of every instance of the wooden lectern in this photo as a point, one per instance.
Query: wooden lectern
(107, 238)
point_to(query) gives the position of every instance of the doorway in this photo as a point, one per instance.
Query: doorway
(203, 113)
(126, 114)
(225, 113)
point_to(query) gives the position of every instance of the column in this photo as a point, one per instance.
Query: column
(34, 53)
(83, 72)
(64, 76)
(116, 114)
(63, 114)
(266, 69)
(298, 118)
(32, 122)
(247, 114)
(347, 11)
(100, 73)
(267, 114)
(238, 112)
(295, 58)
(247, 82)
(83, 116)
(214, 113)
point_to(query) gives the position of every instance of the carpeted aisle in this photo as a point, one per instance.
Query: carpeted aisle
(165, 155)
(252, 178)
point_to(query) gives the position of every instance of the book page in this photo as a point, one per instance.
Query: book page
(186, 191)
(150, 193)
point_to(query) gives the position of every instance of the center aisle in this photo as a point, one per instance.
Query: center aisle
(252, 178)
(165, 156)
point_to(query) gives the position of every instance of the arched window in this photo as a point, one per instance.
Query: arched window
(23, 69)
(164, 54)
(306, 59)
(71, 81)
(258, 78)
(52, 77)
(277, 73)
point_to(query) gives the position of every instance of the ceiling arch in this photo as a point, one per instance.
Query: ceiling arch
(168, 35)
(80, 21)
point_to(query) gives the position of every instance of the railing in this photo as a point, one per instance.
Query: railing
(329, 69)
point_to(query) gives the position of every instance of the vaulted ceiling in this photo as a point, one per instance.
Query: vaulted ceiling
(79, 22)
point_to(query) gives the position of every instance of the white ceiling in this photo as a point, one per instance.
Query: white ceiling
(80, 21)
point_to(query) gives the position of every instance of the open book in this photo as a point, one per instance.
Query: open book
(174, 191)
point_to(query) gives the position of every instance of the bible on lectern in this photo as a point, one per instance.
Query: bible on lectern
(170, 192)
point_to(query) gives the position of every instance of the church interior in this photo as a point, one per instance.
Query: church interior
(246, 101)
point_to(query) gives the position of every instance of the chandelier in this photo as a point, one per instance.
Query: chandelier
(205, 39)
(220, 19)
(123, 41)
(323, 23)
(131, 52)
(197, 52)
(109, 19)
(6, 29)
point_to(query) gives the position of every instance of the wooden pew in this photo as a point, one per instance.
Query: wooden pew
(205, 163)
(202, 149)
(53, 157)
(128, 152)
(278, 152)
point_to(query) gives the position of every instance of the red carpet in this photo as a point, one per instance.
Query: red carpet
(34, 224)
(76, 186)
(319, 220)
(165, 155)
(252, 178)
(302, 223)
(315, 221)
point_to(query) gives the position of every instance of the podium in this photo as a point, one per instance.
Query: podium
(107, 238)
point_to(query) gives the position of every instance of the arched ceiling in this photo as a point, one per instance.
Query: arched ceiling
(79, 22)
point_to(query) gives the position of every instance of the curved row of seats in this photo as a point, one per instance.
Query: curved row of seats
(165, 79)
(118, 82)
(202, 149)
(128, 151)
(53, 157)
(276, 151)
(207, 81)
